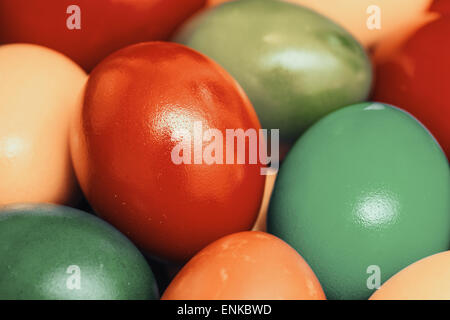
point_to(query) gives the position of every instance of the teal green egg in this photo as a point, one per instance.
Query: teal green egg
(56, 252)
(362, 194)
(294, 64)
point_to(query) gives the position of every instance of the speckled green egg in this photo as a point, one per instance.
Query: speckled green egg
(362, 194)
(55, 252)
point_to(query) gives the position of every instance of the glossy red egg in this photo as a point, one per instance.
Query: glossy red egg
(139, 104)
(416, 78)
(104, 25)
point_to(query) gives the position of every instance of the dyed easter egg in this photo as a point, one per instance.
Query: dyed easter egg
(426, 279)
(361, 195)
(39, 92)
(441, 6)
(147, 111)
(55, 252)
(248, 265)
(370, 21)
(373, 21)
(294, 64)
(416, 78)
(87, 31)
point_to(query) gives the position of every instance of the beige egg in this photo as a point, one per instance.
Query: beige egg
(39, 92)
(426, 279)
(359, 16)
(261, 223)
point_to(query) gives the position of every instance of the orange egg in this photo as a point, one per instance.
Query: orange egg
(426, 279)
(39, 88)
(397, 18)
(249, 265)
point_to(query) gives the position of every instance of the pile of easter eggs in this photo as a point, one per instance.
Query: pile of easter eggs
(128, 167)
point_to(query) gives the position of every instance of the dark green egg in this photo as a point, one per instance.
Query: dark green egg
(56, 252)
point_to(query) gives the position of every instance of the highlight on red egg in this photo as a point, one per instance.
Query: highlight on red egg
(231, 157)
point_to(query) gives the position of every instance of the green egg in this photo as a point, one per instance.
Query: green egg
(294, 64)
(55, 252)
(362, 194)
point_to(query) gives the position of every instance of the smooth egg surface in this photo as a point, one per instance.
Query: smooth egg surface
(426, 279)
(362, 194)
(39, 89)
(250, 265)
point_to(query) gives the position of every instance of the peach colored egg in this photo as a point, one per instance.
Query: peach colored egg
(260, 224)
(249, 265)
(39, 89)
(426, 279)
(211, 3)
(397, 17)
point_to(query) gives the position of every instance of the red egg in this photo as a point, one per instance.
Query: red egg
(416, 78)
(88, 30)
(441, 6)
(139, 104)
